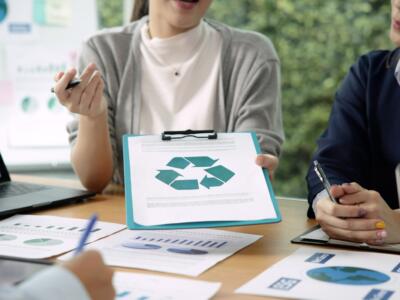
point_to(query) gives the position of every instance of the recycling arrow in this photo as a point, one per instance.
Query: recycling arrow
(201, 161)
(211, 182)
(167, 176)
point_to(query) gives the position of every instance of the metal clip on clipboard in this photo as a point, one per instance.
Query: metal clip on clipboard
(200, 134)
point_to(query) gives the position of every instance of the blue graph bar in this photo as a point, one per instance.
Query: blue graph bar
(213, 244)
(188, 243)
(159, 240)
(138, 238)
(173, 242)
(199, 242)
(220, 245)
(184, 241)
(206, 243)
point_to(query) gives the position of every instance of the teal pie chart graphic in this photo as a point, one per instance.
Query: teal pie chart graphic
(3, 10)
(348, 275)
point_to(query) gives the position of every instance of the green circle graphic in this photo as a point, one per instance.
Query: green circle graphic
(348, 275)
(7, 237)
(43, 242)
(3, 10)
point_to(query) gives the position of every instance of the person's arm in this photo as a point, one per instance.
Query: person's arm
(343, 147)
(261, 112)
(92, 151)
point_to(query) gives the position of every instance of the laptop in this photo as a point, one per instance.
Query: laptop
(17, 197)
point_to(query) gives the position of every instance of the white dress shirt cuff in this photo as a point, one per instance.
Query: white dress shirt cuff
(321, 195)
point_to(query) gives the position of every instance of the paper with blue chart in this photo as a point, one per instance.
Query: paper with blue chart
(324, 274)
(134, 286)
(33, 236)
(188, 252)
(195, 182)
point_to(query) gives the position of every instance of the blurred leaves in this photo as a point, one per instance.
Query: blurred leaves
(317, 42)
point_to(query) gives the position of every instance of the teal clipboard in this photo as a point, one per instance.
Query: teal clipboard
(130, 221)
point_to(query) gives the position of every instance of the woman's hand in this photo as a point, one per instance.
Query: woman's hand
(269, 162)
(87, 97)
(375, 207)
(361, 216)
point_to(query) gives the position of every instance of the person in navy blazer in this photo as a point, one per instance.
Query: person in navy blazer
(360, 150)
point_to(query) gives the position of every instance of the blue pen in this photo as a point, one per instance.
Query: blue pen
(86, 234)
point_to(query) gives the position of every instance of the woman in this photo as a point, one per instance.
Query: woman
(170, 70)
(362, 146)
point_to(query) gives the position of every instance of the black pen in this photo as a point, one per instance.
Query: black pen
(321, 175)
(70, 85)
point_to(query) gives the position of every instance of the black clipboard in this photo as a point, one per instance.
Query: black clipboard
(343, 244)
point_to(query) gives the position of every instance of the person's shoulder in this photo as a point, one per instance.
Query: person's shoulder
(246, 41)
(378, 60)
(116, 35)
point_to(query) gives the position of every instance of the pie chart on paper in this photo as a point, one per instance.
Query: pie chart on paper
(3, 10)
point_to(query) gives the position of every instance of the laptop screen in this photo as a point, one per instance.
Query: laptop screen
(4, 175)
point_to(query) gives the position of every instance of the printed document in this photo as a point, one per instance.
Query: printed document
(133, 286)
(32, 236)
(196, 180)
(325, 274)
(187, 252)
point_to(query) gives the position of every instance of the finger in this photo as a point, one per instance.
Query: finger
(58, 76)
(358, 198)
(353, 224)
(97, 98)
(61, 84)
(267, 161)
(354, 236)
(337, 191)
(344, 211)
(351, 188)
(89, 91)
(86, 75)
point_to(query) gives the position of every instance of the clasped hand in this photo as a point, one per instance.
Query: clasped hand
(361, 216)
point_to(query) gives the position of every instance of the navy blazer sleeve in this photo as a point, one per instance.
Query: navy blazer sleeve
(343, 149)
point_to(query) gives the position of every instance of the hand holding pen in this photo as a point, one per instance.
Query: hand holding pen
(83, 96)
(348, 219)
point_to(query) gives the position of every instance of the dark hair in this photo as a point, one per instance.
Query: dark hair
(140, 9)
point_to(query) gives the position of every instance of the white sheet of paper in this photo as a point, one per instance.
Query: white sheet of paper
(32, 236)
(244, 196)
(133, 286)
(187, 252)
(325, 274)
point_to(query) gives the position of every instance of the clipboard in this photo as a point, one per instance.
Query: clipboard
(301, 239)
(201, 134)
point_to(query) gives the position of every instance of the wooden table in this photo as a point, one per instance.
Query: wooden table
(232, 272)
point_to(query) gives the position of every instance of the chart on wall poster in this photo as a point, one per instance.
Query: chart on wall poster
(38, 39)
(339, 274)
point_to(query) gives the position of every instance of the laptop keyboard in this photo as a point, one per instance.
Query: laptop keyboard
(16, 189)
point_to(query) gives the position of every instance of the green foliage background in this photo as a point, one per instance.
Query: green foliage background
(317, 41)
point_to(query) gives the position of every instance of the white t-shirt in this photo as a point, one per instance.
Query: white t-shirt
(179, 80)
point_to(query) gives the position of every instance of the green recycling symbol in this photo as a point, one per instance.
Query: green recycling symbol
(215, 175)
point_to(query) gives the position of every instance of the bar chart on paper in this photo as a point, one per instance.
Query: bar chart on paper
(32, 236)
(188, 252)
